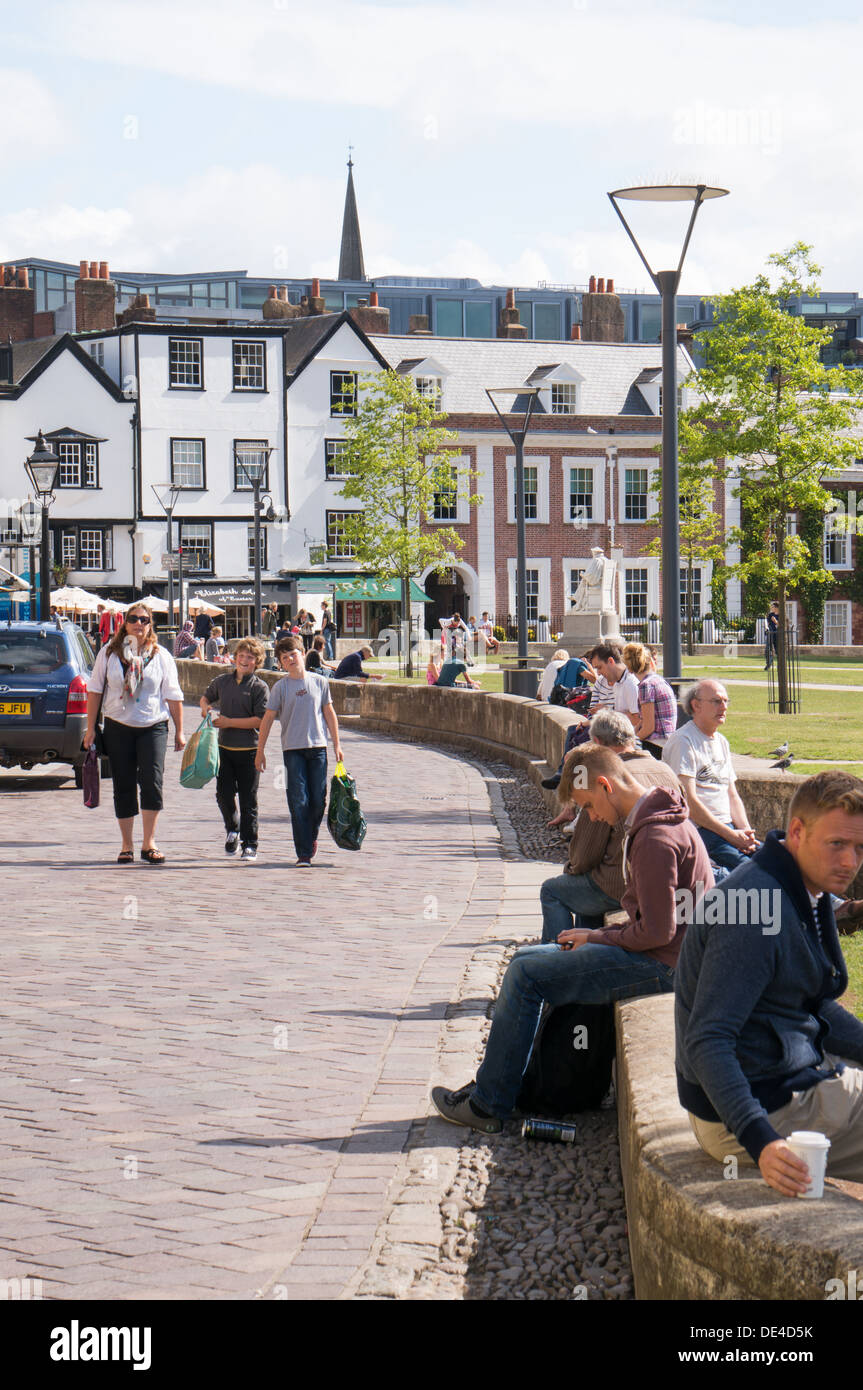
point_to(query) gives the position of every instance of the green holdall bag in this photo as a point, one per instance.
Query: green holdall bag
(201, 756)
(345, 820)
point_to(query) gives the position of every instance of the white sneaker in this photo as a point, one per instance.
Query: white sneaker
(569, 828)
(249, 853)
(232, 842)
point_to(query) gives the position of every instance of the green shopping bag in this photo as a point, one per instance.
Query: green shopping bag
(201, 756)
(345, 820)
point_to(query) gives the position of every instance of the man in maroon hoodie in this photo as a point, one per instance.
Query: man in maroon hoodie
(663, 856)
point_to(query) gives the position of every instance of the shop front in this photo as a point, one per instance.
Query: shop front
(238, 602)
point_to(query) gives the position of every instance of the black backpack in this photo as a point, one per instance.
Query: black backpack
(570, 1065)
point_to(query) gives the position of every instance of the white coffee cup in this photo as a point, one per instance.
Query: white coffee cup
(812, 1147)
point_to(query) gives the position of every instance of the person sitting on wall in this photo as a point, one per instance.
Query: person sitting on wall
(664, 858)
(449, 673)
(763, 1046)
(485, 629)
(350, 668)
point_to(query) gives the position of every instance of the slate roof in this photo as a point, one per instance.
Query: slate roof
(26, 355)
(609, 370)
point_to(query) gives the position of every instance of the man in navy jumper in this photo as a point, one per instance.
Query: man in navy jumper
(763, 1048)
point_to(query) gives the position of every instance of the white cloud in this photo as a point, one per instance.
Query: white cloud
(32, 120)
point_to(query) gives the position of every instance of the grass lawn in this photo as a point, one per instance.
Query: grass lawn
(816, 670)
(852, 948)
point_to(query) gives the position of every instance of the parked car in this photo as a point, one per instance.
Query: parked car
(44, 669)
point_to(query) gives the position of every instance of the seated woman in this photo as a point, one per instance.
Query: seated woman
(433, 669)
(316, 659)
(657, 704)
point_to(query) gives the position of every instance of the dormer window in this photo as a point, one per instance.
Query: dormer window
(564, 398)
(430, 388)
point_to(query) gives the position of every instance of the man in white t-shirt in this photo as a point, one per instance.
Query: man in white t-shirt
(701, 757)
(607, 660)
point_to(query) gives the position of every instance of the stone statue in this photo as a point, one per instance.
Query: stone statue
(595, 593)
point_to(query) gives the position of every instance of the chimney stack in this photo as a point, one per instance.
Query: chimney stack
(138, 311)
(508, 325)
(95, 295)
(372, 317)
(576, 332)
(17, 305)
(601, 314)
(419, 323)
(316, 304)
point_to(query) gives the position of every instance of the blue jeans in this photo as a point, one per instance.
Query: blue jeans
(572, 895)
(537, 975)
(720, 851)
(307, 795)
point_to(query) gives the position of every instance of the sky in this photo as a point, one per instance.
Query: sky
(178, 135)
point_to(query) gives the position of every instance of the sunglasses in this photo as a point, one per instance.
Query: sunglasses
(137, 618)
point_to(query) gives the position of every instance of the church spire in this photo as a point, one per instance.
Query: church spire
(351, 258)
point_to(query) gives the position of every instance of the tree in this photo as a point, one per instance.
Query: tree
(699, 527)
(786, 421)
(398, 467)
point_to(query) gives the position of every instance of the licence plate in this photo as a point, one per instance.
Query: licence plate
(12, 707)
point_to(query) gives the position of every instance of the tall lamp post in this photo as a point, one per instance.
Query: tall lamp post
(252, 460)
(517, 435)
(166, 495)
(42, 467)
(667, 283)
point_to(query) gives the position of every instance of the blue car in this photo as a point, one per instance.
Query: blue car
(44, 670)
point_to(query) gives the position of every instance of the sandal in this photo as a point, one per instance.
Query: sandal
(126, 856)
(153, 856)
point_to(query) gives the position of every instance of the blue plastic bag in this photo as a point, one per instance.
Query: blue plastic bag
(201, 756)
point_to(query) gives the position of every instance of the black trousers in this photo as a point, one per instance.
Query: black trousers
(137, 758)
(238, 777)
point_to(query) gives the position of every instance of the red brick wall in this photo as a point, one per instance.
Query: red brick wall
(16, 313)
(94, 305)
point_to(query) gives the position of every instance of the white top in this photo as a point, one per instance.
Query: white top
(626, 694)
(548, 678)
(159, 684)
(707, 758)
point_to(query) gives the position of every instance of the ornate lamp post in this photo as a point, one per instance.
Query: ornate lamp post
(517, 434)
(667, 283)
(42, 467)
(166, 495)
(252, 460)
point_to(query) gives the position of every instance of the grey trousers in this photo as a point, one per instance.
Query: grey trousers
(833, 1107)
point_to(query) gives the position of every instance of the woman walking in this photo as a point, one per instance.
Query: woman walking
(135, 682)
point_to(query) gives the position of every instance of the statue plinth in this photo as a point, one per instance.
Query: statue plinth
(581, 631)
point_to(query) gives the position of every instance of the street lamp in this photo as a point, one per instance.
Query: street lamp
(42, 467)
(167, 494)
(667, 283)
(252, 460)
(517, 435)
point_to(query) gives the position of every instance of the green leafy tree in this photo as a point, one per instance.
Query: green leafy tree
(783, 420)
(700, 527)
(399, 468)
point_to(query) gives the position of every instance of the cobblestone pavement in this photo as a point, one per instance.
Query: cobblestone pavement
(214, 1069)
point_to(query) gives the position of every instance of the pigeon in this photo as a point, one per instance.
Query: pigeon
(784, 762)
(780, 752)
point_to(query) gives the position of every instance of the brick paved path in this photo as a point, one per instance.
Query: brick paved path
(212, 1068)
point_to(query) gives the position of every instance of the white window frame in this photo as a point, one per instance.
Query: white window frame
(572, 388)
(252, 365)
(845, 605)
(462, 517)
(597, 463)
(97, 352)
(651, 564)
(831, 534)
(544, 568)
(200, 462)
(331, 551)
(649, 466)
(542, 464)
(200, 527)
(430, 387)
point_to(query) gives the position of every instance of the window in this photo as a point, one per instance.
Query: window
(575, 576)
(581, 495)
(250, 532)
(335, 451)
(244, 448)
(531, 492)
(86, 547)
(343, 393)
(547, 321)
(196, 539)
(635, 595)
(250, 368)
(430, 388)
(187, 463)
(836, 542)
(696, 592)
(837, 623)
(79, 464)
(186, 363)
(679, 398)
(339, 546)
(97, 352)
(531, 583)
(477, 320)
(446, 502)
(635, 494)
(449, 318)
(564, 397)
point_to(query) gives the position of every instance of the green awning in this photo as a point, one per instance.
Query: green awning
(369, 590)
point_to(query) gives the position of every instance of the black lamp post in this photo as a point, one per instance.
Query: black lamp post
(517, 435)
(667, 283)
(166, 495)
(252, 459)
(42, 467)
